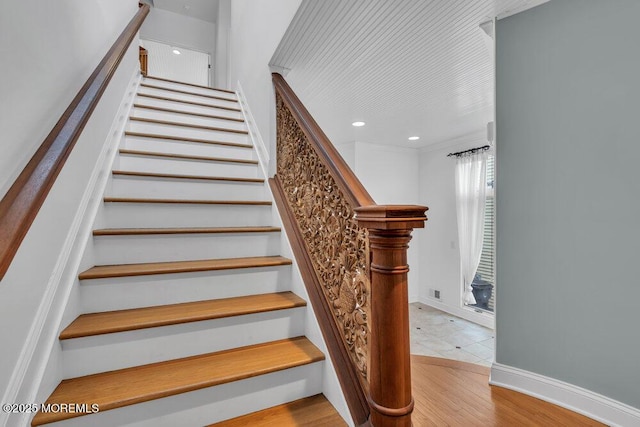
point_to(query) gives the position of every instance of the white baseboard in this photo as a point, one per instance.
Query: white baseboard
(254, 132)
(485, 319)
(28, 374)
(574, 398)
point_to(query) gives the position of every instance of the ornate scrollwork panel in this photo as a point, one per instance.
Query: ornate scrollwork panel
(338, 247)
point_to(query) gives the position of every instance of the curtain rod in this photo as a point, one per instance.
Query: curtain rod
(472, 150)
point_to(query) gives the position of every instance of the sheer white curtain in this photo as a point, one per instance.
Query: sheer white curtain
(471, 187)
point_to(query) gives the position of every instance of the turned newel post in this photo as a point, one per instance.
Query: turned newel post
(390, 365)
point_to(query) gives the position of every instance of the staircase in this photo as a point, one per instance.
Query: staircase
(189, 318)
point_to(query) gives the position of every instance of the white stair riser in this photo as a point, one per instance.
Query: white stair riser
(187, 107)
(189, 88)
(156, 164)
(190, 98)
(146, 291)
(186, 132)
(213, 404)
(186, 147)
(183, 247)
(102, 353)
(169, 188)
(186, 118)
(151, 215)
(85, 356)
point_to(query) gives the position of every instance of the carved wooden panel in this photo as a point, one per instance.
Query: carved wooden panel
(338, 247)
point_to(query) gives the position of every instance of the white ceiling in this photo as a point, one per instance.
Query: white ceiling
(206, 10)
(405, 67)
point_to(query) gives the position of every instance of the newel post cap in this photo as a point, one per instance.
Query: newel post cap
(391, 217)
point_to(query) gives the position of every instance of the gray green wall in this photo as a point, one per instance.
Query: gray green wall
(568, 187)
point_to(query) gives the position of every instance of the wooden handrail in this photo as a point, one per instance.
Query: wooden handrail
(323, 234)
(342, 173)
(22, 202)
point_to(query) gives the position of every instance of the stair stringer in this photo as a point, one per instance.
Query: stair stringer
(39, 370)
(84, 257)
(330, 384)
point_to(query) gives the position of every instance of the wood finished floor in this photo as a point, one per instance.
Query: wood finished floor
(314, 411)
(453, 393)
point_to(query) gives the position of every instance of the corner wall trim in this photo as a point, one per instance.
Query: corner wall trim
(572, 397)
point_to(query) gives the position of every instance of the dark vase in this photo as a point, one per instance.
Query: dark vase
(482, 291)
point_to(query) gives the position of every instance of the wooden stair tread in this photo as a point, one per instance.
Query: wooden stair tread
(314, 411)
(176, 176)
(186, 156)
(188, 113)
(144, 269)
(187, 201)
(188, 84)
(184, 139)
(193, 230)
(188, 125)
(173, 314)
(125, 387)
(199, 104)
(187, 92)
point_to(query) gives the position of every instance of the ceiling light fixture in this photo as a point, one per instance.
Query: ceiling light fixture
(414, 138)
(357, 124)
(176, 52)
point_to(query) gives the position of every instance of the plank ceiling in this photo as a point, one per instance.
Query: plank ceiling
(405, 67)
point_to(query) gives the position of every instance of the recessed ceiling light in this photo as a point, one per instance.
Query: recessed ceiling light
(414, 138)
(357, 124)
(176, 51)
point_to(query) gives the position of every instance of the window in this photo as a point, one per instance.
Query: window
(488, 257)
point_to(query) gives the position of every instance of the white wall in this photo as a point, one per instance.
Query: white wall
(256, 31)
(54, 47)
(348, 153)
(567, 204)
(390, 175)
(439, 256)
(181, 31)
(222, 45)
(49, 50)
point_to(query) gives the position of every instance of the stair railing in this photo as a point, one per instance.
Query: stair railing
(352, 255)
(21, 203)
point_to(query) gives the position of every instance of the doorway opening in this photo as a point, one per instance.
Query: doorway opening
(178, 63)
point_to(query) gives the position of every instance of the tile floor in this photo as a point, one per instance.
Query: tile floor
(439, 334)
